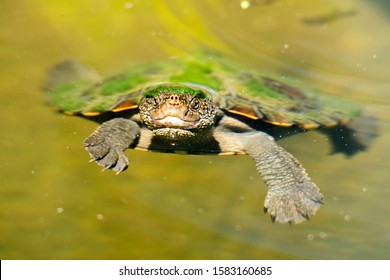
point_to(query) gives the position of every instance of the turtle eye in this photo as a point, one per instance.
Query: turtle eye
(195, 104)
(154, 103)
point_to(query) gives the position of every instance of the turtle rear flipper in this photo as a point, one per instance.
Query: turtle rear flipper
(66, 85)
(69, 71)
(355, 136)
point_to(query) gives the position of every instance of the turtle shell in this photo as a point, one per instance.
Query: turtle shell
(74, 90)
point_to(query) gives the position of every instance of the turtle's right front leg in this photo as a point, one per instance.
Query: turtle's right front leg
(107, 143)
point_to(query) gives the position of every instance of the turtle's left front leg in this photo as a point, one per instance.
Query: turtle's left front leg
(107, 143)
(292, 196)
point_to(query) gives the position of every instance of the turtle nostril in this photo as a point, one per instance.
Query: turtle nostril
(174, 100)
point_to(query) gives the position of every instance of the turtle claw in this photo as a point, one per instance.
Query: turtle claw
(121, 170)
(273, 218)
(307, 217)
(121, 165)
(291, 208)
(114, 160)
(115, 168)
(106, 145)
(106, 168)
(106, 155)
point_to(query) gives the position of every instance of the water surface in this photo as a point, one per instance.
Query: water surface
(56, 205)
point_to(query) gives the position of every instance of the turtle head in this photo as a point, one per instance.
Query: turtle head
(177, 109)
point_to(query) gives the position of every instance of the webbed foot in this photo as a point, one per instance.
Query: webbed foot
(105, 154)
(293, 205)
(107, 144)
(292, 196)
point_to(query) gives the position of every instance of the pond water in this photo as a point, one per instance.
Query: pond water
(56, 205)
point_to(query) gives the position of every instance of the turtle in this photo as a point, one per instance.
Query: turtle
(205, 103)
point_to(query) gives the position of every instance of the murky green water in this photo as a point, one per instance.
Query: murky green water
(56, 205)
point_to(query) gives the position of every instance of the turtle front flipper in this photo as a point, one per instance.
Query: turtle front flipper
(108, 142)
(292, 197)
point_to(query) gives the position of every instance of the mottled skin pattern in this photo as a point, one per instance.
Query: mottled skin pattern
(185, 122)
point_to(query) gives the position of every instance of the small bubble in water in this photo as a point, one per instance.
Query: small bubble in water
(322, 235)
(245, 4)
(347, 218)
(200, 210)
(310, 237)
(128, 5)
(59, 210)
(99, 216)
(364, 189)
